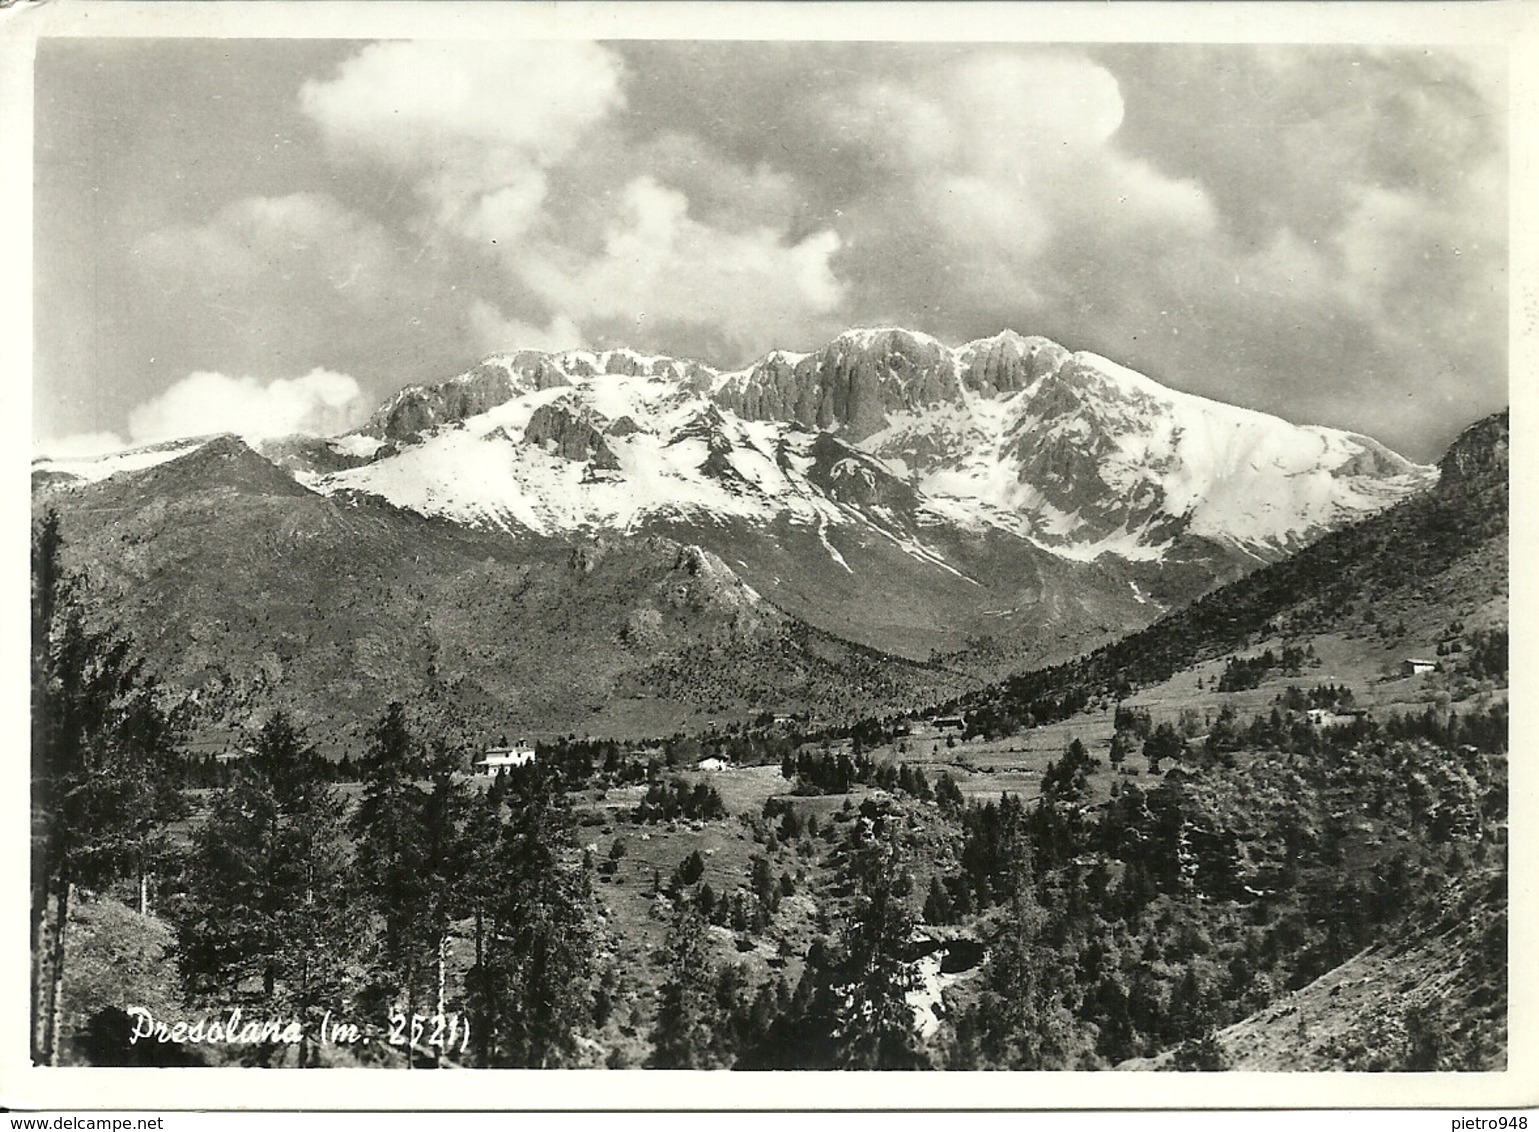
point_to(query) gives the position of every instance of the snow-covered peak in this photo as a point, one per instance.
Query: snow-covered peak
(868, 337)
(1012, 432)
(782, 357)
(1020, 344)
(93, 469)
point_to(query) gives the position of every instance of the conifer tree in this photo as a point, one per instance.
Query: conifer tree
(392, 859)
(413, 863)
(535, 983)
(267, 887)
(875, 1025)
(449, 852)
(1020, 1021)
(685, 1033)
(106, 768)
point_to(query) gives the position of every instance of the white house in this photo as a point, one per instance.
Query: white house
(1330, 717)
(499, 759)
(712, 763)
(1415, 666)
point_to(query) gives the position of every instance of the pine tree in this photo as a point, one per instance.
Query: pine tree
(875, 1025)
(535, 983)
(799, 1032)
(1122, 745)
(413, 859)
(446, 814)
(1020, 1021)
(106, 770)
(481, 888)
(267, 887)
(1163, 744)
(392, 859)
(937, 904)
(1067, 779)
(685, 1032)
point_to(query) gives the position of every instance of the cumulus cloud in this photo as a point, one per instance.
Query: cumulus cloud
(80, 446)
(320, 403)
(1356, 271)
(1290, 136)
(659, 265)
(1319, 232)
(1000, 182)
(475, 125)
(273, 286)
(1240, 222)
(496, 333)
(1002, 108)
(274, 241)
(317, 404)
(483, 133)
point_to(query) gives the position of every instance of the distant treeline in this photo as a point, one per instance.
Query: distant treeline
(1242, 673)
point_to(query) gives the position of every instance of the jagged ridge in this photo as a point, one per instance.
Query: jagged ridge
(1071, 451)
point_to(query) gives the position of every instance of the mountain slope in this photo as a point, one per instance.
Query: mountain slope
(250, 591)
(1440, 553)
(1431, 997)
(1070, 452)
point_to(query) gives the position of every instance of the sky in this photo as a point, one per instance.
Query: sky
(1318, 232)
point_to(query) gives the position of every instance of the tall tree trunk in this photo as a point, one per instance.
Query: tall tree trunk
(50, 876)
(443, 946)
(411, 998)
(304, 997)
(483, 1001)
(41, 951)
(56, 973)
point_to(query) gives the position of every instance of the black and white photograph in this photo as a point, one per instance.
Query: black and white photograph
(581, 547)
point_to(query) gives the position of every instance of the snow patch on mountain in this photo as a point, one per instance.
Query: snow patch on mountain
(93, 469)
(482, 471)
(828, 546)
(356, 444)
(1069, 451)
(866, 337)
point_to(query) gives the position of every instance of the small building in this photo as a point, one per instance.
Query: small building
(501, 759)
(1331, 717)
(949, 723)
(1414, 666)
(713, 763)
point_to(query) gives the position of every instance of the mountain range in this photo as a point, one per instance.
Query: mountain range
(549, 537)
(1438, 557)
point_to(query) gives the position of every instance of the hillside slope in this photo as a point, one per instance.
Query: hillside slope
(1435, 556)
(249, 591)
(1031, 501)
(1430, 997)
